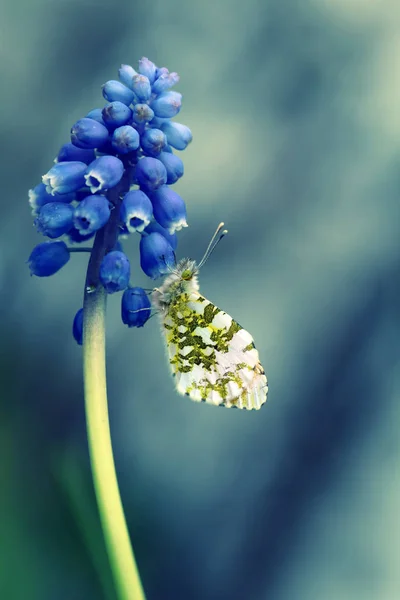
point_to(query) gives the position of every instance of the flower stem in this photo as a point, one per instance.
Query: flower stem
(122, 560)
(126, 575)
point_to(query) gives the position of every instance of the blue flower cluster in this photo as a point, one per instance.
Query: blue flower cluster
(115, 176)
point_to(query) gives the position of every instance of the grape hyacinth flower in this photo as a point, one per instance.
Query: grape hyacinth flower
(115, 90)
(38, 197)
(115, 271)
(126, 73)
(135, 307)
(153, 141)
(167, 104)
(54, 219)
(169, 208)
(116, 114)
(91, 214)
(88, 133)
(47, 258)
(104, 173)
(156, 255)
(173, 165)
(136, 211)
(178, 135)
(164, 82)
(148, 69)
(142, 87)
(150, 173)
(111, 180)
(65, 177)
(125, 139)
(142, 113)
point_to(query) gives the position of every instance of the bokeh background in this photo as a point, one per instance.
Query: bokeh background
(295, 111)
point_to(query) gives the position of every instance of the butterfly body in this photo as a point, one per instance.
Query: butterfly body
(211, 356)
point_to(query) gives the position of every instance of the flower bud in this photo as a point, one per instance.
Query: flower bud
(164, 82)
(48, 258)
(136, 211)
(155, 227)
(142, 88)
(167, 104)
(135, 307)
(156, 255)
(150, 173)
(161, 71)
(169, 209)
(125, 139)
(91, 214)
(173, 165)
(54, 219)
(178, 135)
(65, 177)
(38, 196)
(88, 133)
(116, 114)
(153, 141)
(142, 113)
(77, 327)
(126, 73)
(114, 90)
(69, 152)
(104, 173)
(147, 68)
(114, 271)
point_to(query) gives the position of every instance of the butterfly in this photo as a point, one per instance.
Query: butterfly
(212, 358)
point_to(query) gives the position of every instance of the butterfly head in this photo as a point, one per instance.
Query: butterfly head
(186, 269)
(182, 279)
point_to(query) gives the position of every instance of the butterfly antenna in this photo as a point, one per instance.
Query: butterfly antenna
(215, 240)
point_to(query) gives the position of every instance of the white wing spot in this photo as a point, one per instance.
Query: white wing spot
(221, 320)
(185, 351)
(205, 334)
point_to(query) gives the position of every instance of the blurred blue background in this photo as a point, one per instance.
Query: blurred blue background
(294, 108)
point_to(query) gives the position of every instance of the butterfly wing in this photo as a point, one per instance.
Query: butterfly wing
(212, 357)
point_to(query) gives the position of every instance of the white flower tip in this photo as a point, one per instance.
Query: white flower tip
(32, 199)
(140, 222)
(93, 182)
(47, 180)
(178, 226)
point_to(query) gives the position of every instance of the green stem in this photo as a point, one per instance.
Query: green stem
(123, 565)
(122, 560)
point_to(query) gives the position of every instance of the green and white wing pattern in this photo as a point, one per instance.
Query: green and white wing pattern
(212, 357)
